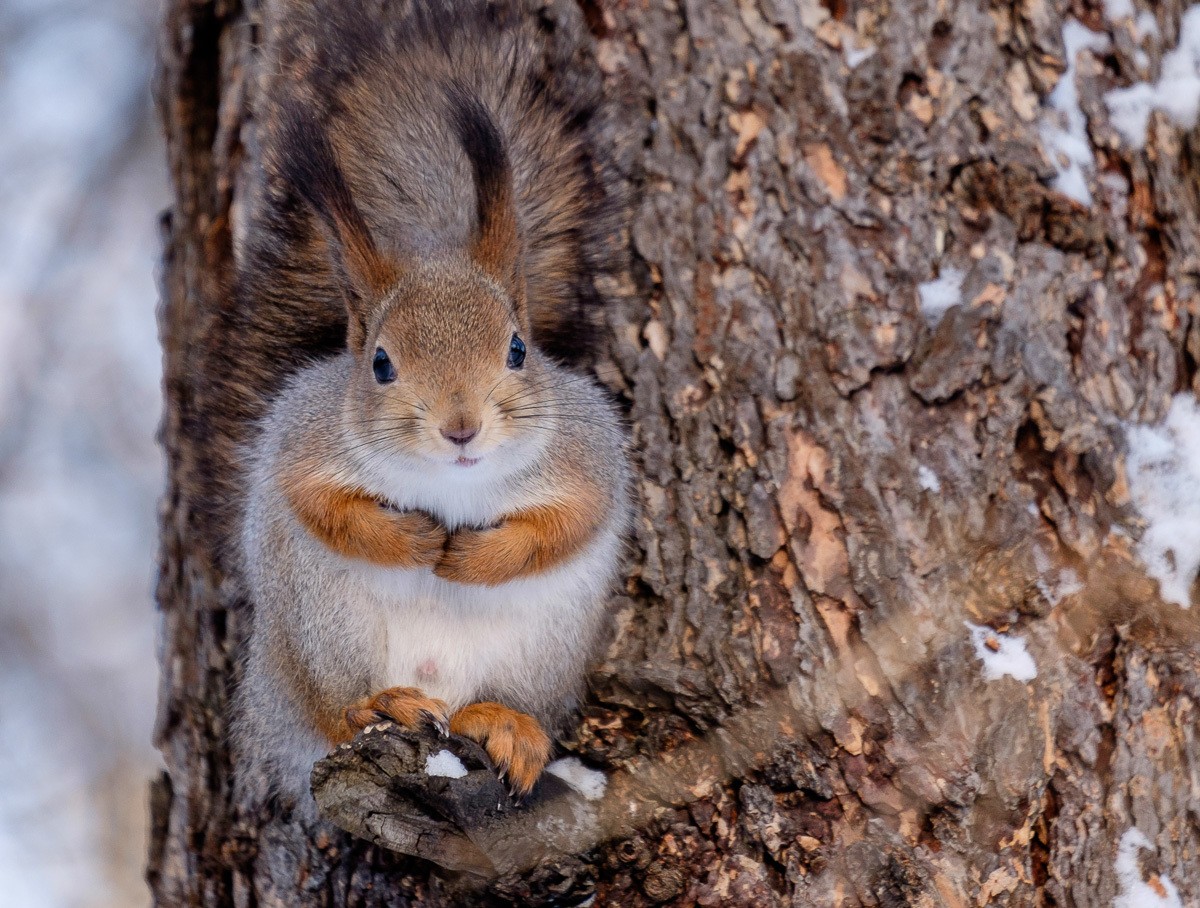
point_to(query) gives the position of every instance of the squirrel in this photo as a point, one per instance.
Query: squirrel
(434, 515)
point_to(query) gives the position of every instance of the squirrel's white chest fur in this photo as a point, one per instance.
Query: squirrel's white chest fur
(475, 496)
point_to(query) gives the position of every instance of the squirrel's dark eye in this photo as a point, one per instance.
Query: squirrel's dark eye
(516, 353)
(382, 366)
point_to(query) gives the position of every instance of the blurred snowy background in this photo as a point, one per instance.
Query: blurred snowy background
(82, 180)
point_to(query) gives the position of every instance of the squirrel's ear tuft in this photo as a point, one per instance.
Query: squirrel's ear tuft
(310, 166)
(496, 244)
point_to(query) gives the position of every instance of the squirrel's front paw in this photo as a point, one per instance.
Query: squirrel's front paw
(424, 537)
(516, 742)
(478, 556)
(407, 706)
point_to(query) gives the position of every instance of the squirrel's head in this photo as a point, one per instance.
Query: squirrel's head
(444, 367)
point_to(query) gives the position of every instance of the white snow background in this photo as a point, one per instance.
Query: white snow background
(1163, 467)
(1136, 892)
(1176, 92)
(941, 294)
(1010, 657)
(445, 764)
(82, 181)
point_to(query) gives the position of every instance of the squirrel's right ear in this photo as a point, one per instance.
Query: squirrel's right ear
(310, 166)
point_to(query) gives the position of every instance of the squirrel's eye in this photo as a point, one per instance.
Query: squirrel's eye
(382, 366)
(516, 353)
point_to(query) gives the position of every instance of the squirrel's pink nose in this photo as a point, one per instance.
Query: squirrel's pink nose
(461, 435)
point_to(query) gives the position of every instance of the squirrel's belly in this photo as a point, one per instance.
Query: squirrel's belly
(461, 642)
(456, 661)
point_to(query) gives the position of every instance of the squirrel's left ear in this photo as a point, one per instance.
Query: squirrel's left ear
(310, 166)
(496, 243)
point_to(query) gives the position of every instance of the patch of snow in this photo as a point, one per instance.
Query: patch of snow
(941, 294)
(1067, 140)
(927, 479)
(1009, 658)
(588, 782)
(1129, 111)
(1136, 892)
(1163, 468)
(1067, 585)
(856, 55)
(1176, 93)
(1145, 26)
(1118, 9)
(1054, 585)
(444, 764)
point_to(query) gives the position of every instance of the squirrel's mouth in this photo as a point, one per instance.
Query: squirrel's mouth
(466, 461)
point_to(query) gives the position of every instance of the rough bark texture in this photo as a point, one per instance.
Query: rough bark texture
(792, 711)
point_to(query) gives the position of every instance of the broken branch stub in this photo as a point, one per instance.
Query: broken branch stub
(376, 787)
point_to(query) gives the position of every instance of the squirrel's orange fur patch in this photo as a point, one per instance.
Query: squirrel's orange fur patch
(357, 526)
(407, 706)
(330, 723)
(527, 542)
(517, 744)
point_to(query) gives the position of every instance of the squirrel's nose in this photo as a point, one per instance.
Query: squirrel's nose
(461, 435)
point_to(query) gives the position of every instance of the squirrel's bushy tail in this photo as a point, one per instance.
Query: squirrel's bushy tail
(386, 82)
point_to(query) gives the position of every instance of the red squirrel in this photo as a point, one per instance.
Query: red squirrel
(434, 516)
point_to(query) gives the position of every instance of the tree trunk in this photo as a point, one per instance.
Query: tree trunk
(855, 509)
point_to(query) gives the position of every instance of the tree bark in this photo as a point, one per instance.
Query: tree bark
(792, 710)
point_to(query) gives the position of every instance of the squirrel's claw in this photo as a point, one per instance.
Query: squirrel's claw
(440, 722)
